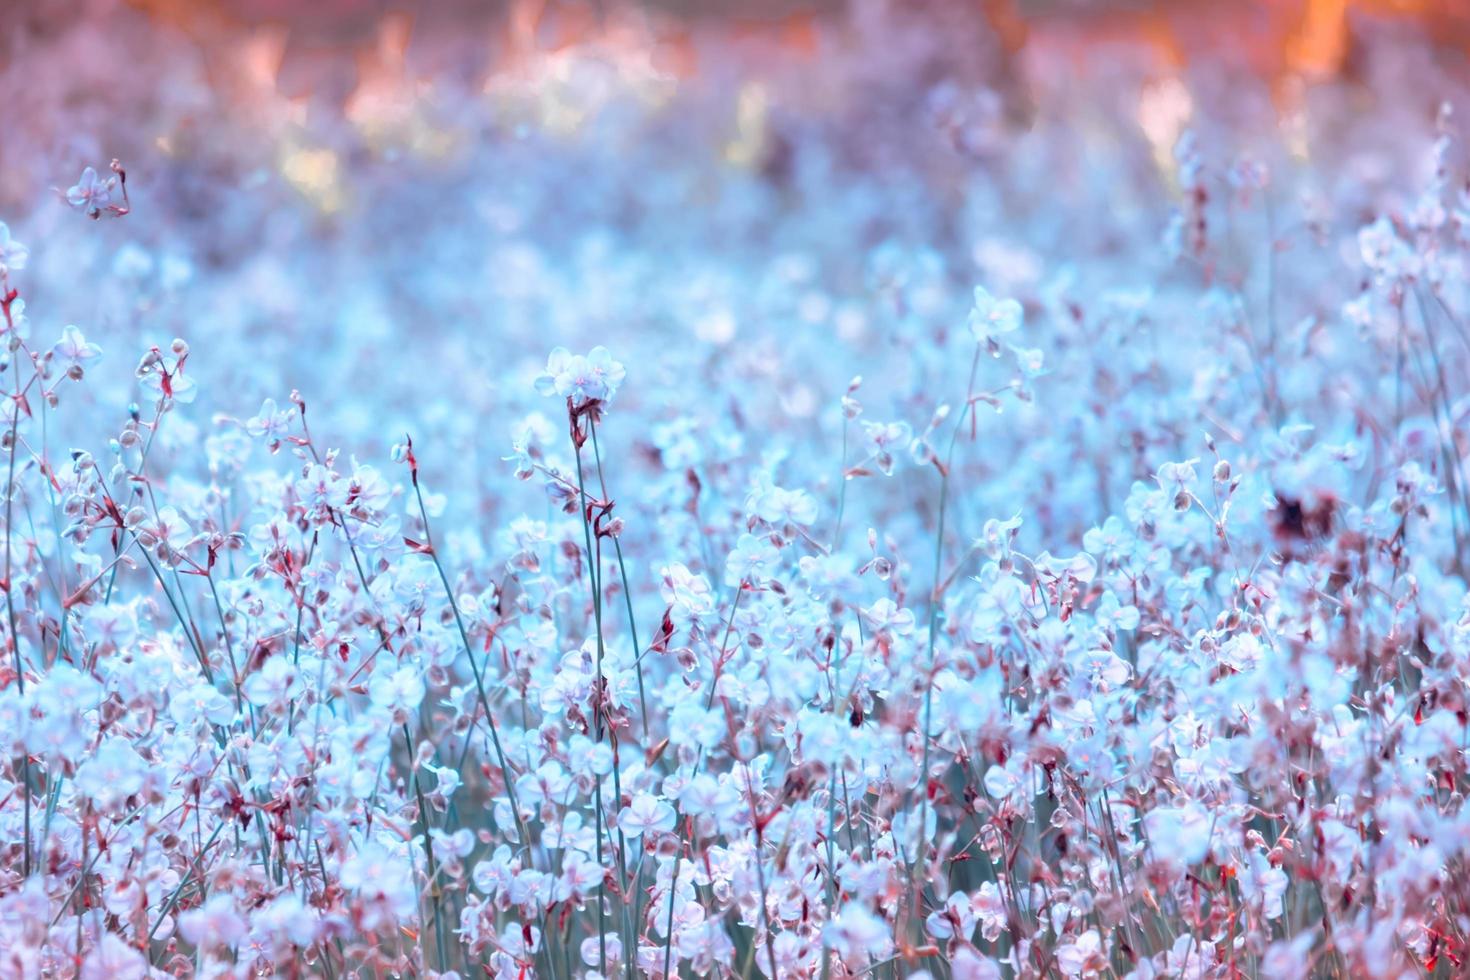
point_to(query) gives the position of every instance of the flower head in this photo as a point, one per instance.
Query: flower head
(91, 193)
(73, 351)
(646, 813)
(13, 255)
(583, 378)
(991, 319)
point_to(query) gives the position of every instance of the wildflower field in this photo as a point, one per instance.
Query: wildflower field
(593, 491)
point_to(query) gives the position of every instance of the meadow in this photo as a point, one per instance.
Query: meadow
(888, 505)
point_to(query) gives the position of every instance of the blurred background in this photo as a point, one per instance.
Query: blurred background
(379, 202)
(392, 70)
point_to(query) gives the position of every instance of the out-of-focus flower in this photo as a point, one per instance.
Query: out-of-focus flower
(778, 506)
(856, 933)
(214, 924)
(398, 691)
(992, 319)
(1083, 956)
(646, 813)
(276, 683)
(884, 616)
(1179, 834)
(13, 255)
(754, 560)
(112, 773)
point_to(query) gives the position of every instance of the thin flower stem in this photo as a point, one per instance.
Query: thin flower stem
(594, 582)
(436, 897)
(842, 489)
(631, 914)
(698, 764)
(935, 599)
(510, 791)
(673, 890)
(760, 873)
(173, 898)
(627, 590)
(20, 673)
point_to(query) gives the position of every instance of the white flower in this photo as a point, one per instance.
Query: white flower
(1113, 615)
(270, 424)
(200, 702)
(73, 350)
(90, 193)
(593, 946)
(113, 959)
(448, 780)
(606, 372)
(1243, 651)
(400, 691)
(384, 882)
(1384, 252)
(112, 774)
(957, 918)
(754, 560)
(561, 368)
(1262, 882)
(991, 318)
(1105, 670)
(856, 933)
(164, 376)
(17, 324)
(13, 255)
(778, 506)
(285, 922)
(967, 964)
(704, 794)
(883, 438)
(1030, 361)
(320, 487)
(594, 376)
(1083, 956)
(493, 874)
(1001, 782)
(646, 813)
(1179, 834)
(990, 907)
(884, 616)
(214, 924)
(997, 536)
(276, 683)
(686, 591)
